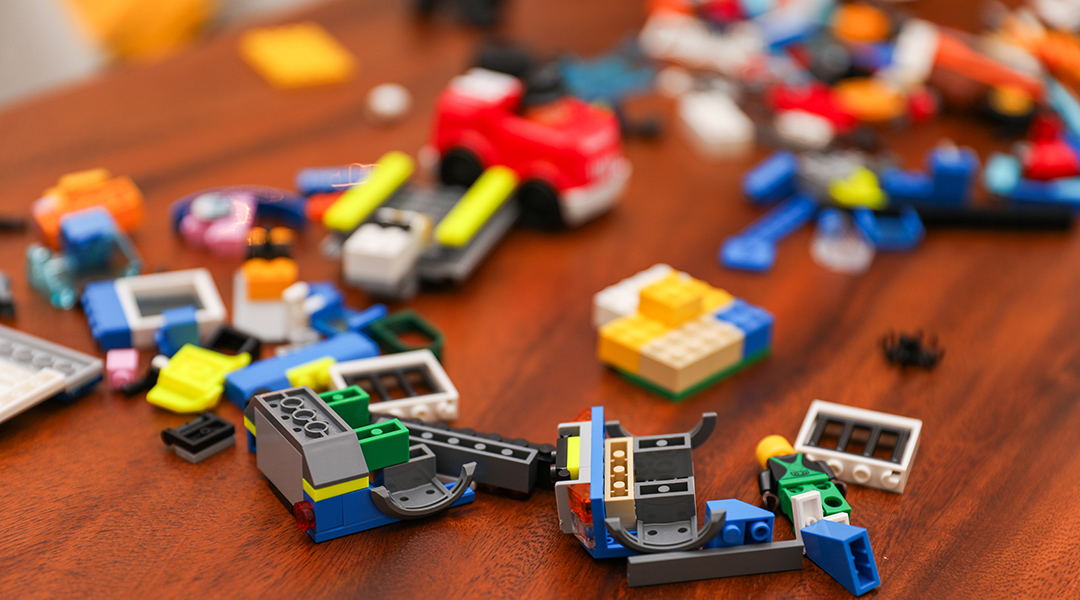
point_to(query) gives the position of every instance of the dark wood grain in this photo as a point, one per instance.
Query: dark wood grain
(93, 504)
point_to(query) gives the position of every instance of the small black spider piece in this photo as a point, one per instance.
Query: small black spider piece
(907, 350)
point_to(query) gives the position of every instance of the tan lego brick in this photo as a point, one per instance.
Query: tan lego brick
(691, 354)
(619, 491)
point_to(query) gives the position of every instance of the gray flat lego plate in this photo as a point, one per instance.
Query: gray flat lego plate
(713, 563)
(33, 370)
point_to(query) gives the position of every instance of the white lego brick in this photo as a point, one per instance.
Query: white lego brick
(1060, 14)
(714, 124)
(804, 129)
(805, 511)
(485, 85)
(856, 468)
(21, 388)
(196, 283)
(441, 405)
(840, 517)
(689, 41)
(913, 54)
(272, 321)
(621, 299)
(380, 255)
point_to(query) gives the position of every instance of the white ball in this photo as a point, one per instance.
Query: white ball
(388, 102)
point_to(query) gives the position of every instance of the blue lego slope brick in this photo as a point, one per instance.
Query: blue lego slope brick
(743, 523)
(81, 229)
(108, 324)
(270, 373)
(355, 512)
(755, 322)
(843, 551)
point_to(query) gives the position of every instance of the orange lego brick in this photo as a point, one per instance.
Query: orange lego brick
(861, 23)
(267, 279)
(297, 55)
(955, 55)
(86, 189)
(673, 300)
(621, 340)
(870, 99)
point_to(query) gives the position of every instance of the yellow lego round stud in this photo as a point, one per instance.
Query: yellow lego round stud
(770, 446)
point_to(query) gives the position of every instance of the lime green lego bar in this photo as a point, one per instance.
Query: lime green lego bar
(474, 209)
(392, 170)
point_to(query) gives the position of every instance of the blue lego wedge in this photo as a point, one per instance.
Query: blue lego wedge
(104, 313)
(744, 523)
(772, 179)
(269, 374)
(754, 248)
(901, 233)
(756, 324)
(844, 552)
(180, 327)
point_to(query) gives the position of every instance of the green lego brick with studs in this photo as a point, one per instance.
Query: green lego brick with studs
(384, 443)
(388, 331)
(799, 478)
(351, 404)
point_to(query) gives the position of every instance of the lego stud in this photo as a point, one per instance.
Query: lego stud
(302, 416)
(861, 473)
(290, 405)
(836, 465)
(770, 446)
(890, 480)
(316, 429)
(731, 535)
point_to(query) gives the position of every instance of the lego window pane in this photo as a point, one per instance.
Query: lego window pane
(860, 435)
(830, 437)
(151, 305)
(886, 445)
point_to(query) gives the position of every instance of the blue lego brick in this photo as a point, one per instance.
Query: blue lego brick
(754, 248)
(355, 512)
(180, 327)
(843, 551)
(773, 179)
(88, 236)
(108, 324)
(334, 317)
(269, 374)
(612, 77)
(901, 233)
(948, 181)
(755, 322)
(743, 523)
(330, 179)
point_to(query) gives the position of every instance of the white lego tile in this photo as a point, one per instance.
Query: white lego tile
(714, 124)
(21, 388)
(805, 511)
(379, 255)
(621, 299)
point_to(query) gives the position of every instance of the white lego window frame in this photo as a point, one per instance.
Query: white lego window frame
(852, 468)
(430, 408)
(199, 281)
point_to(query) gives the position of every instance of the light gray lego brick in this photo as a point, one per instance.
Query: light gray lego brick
(207, 453)
(713, 563)
(667, 534)
(35, 354)
(664, 501)
(497, 463)
(661, 457)
(328, 446)
(441, 263)
(420, 469)
(278, 460)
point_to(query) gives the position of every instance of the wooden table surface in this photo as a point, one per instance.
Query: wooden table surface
(95, 505)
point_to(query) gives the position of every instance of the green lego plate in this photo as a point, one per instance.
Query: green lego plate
(690, 391)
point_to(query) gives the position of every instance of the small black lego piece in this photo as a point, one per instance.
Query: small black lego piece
(200, 438)
(908, 350)
(7, 299)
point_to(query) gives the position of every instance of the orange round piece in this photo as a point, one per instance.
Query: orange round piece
(870, 99)
(1011, 100)
(861, 23)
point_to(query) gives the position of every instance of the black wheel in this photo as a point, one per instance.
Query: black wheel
(460, 167)
(540, 206)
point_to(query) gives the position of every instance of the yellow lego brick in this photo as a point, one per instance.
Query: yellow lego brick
(621, 340)
(249, 425)
(712, 298)
(337, 489)
(859, 190)
(483, 198)
(314, 374)
(619, 491)
(673, 300)
(194, 379)
(692, 353)
(390, 173)
(297, 55)
(573, 455)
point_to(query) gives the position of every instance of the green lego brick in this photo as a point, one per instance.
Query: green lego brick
(750, 360)
(388, 330)
(351, 404)
(385, 443)
(799, 479)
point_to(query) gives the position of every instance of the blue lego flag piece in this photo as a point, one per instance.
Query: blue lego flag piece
(843, 551)
(743, 523)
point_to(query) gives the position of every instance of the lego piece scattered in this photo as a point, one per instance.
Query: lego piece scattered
(902, 233)
(908, 350)
(772, 180)
(714, 124)
(325, 180)
(87, 189)
(803, 130)
(712, 563)
(297, 55)
(861, 446)
(7, 298)
(193, 379)
(838, 247)
(406, 385)
(200, 438)
(121, 365)
(148, 380)
(388, 102)
(271, 204)
(844, 552)
(178, 328)
(228, 340)
(743, 523)
(754, 248)
(268, 301)
(33, 370)
(411, 489)
(787, 473)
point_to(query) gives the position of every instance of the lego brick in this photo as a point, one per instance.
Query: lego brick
(105, 315)
(268, 279)
(619, 493)
(756, 324)
(672, 301)
(193, 380)
(771, 180)
(754, 248)
(121, 366)
(684, 357)
(314, 374)
(411, 489)
(406, 385)
(297, 55)
(179, 327)
(80, 371)
(806, 509)
(229, 340)
(330, 179)
(84, 189)
(269, 373)
(660, 457)
(713, 563)
(714, 124)
(494, 187)
(622, 340)
(200, 438)
(388, 332)
(390, 172)
(743, 523)
(351, 404)
(901, 233)
(303, 443)
(861, 446)
(664, 501)
(22, 388)
(859, 189)
(844, 552)
(621, 299)
(270, 321)
(379, 257)
(384, 443)
(678, 397)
